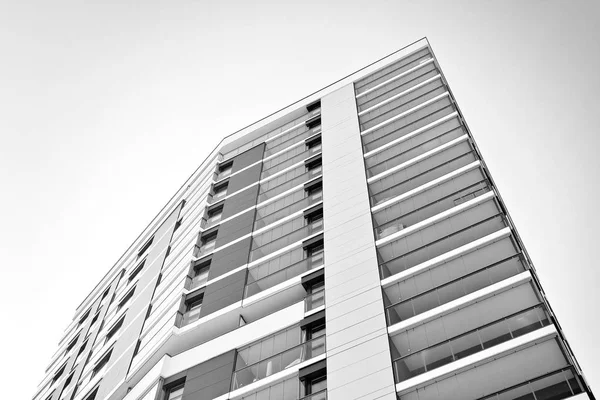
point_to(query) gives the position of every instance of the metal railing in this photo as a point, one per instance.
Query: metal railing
(321, 395)
(278, 362)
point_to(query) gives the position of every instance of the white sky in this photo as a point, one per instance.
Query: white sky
(107, 107)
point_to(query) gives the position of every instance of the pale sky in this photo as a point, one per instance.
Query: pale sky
(107, 107)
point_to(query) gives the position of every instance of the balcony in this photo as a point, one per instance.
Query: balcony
(281, 208)
(408, 122)
(257, 284)
(436, 163)
(553, 386)
(283, 235)
(443, 131)
(433, 240)
(287, 159)
(453, 290)
(287, 181)
(469, 343)
(416, 92)
(277, 363)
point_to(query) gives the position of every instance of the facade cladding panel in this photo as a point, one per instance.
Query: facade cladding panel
(350, 246)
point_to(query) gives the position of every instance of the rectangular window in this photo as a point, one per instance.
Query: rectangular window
(72, 344)
(125, 299)
(114, 330)
(314, 106)
(175, 392)
(95, 318)
(224, 170)
(145, 247)
(58, 373)
(193, 306)
(213, 215)
(313, 142)
(200, 274)
(84, 317)
(219, 191)
(136, 271)
(101, 364)
(92, 395)
(208, 242)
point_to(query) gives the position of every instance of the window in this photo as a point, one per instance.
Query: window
(314, 165)
(314, 106)
(175, 392)
(72, 344)
(95, 318)
(82, 320)
(193, 305)
(101, 364)
(136, 271)
(200, 274)
(68, 381)
(208, 242)
(315, 253)
(214, 215)
(58, 373)
(314, 385)
(315, 295)
(313, 122)
(145, 247)
(92, 395)
(224, 170)
(314, 142)
(219, 191)
(81, 352)
(125, 299)
(114, 330)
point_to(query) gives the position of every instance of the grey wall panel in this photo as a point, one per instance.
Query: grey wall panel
(209, 379)
(240, 202)
(235, 228)
(230, 258)
(248, 157)
(224, 292)
(244, 178)
(135, 316)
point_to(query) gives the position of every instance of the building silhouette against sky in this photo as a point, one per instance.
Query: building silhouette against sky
(350, 246)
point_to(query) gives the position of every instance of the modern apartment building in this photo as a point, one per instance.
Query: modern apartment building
(352, 245)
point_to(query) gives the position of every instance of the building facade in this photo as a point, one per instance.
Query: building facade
(350, 246)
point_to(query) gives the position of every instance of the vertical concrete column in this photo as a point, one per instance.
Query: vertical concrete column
(358, 354)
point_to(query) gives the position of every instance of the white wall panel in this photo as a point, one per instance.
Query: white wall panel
(358, 356)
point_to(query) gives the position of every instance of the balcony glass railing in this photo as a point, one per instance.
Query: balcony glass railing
(407, 124)
(271, 190)
(321, 395)
(470, 343)
(440, 246)
(553, 386)
(287, 159)
(289, 139)
(314, 300)
(402, 104)
(431, 209)
(266, 217)
(453, 290)
(255, 286)
(278, 362)
(421, 173)
(422, 143)
(262, 247)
